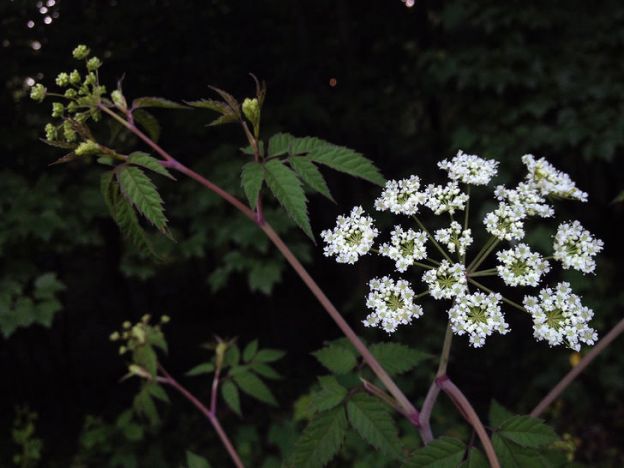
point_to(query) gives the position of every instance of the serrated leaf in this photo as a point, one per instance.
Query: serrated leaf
(138, 158)
(254, 387)
(287, 188)
(148, 122)
(511, 455)
(397, 358)
(444, 452)
(475, 459)
(498, 414)
(228, 98)
(211, 104)
(527, 431)
(337, 359)
(250, 350)
(339, 158)
(330, 395)
(371, 418)
(230, 395)
(321, 440)
(224, 119)
(269, 355)
(311, 175)
(265, 371)
(201, 369)
(279, 144)
(153, 101)
(252, 176)
(141, 192)
(195, 461)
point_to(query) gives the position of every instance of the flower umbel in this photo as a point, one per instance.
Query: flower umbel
(405, 247)
(575, 247)
(470, 168)
(352, 237)
(447, 281)
(454, 238)
(506, 222)
(392, 304)
(521, 267)
(526, 197)
(478, 315)
(401, 196)
(443, 198)
(551, 181)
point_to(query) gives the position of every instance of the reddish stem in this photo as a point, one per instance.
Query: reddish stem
(425, 412)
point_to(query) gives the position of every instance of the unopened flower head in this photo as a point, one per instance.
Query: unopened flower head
(470, 168)
(443, 198)
(352, 237)
(446, 281)
(401, 196)
(575, 247)
(38, 92)
(405, 247)
(392, 304)
(455, 238)
(506, 222)
(81, 52)
(520, 266)
(478, 315)
(527, 197)
(559, 317)
(551, 181)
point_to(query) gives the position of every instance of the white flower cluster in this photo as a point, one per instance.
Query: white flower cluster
(521, 267)
(401, 196)
(478, 315)
(352, 237)
(551, 181)
(405, 247)
(470, 168)
(392, 304)
(506, 222)
(575, 247)
(527, 197)
(559, 316)
(446, 281)
(443, 198)
(454, 238)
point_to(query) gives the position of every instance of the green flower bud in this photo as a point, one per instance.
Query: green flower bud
(90, 79)
(119, 100)
(38, 92)
(72, 107)
(51, 132)
(74, 77)
(71, 93)
(93, 64)
(68, 132)
(114, 336)
(251, 109)
(62, 79)
(57, 109)
(81, 52)
(87, 148)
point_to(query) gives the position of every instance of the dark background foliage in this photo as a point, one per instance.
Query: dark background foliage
(411, 86)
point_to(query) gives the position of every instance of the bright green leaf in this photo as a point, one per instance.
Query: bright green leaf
(397, 358)
(203, 368)
(338, 359)
(138, 158)
(252, 176)
(310, 174)
(527, 431)
(148, 122)
(321, 440)
(444, 452)
(230, 395)
(279, 144)
(141, 192)
(330, 395)
(254, 387)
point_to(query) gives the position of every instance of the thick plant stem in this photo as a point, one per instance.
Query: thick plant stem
(464, 406)
(209, 413)
(425, 413)
(446, 350)
(558, 389)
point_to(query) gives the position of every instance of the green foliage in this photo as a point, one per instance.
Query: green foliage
(23, 433)
(527, 431)
(310, 174)
(337, 358)
(321, 440)
(148, 122)
(230, 394)
(253, 386)
(195, 461)
(444, 452)
(498, 414)
(156, 102)
(397, 358)
(252, 176)
(138, 158)
(330, 395)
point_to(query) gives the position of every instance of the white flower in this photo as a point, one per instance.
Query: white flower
(551, 181)
(443, 198)
(478, 315)
(506, 222)
(447, 281)
(455, 238)
(352, 237)
(575, 247)
(392, 304)
(526, 196)
(559, 316)
(405, 247)
(521, 267)
(401, 196)
(469, 168)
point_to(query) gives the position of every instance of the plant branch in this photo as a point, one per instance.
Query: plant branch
(480, 253)
(438, 246)
(379, 393)
(425, 412)
(446, 350)
(477, 262)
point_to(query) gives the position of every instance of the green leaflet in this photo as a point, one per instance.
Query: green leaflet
(201, 369)
(148, 122)
(230, 395)
(330, 395)
(254, 387)
(370, 417)
(338, 359)
(527, 431)
(475, 459)
(498, 414)
(250, 350)
(138, 158)
(145, 406)
(279, 144)
(195, 461)
(444, 452)
(265, 371)
(321, 440)
(252, 176)
(397, 358)
(152, 101)
(310, 174)
(141, 192)
(287, 188)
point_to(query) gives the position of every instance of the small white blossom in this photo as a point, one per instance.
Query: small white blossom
(454, 238)
(559, 316)
(443, 198)
(575, 247)
(478, 315)
(521, 267)
(446, 281)
(551, 181)
(392, 304)
(506, 222)
(401, 196)
(527, 197)
(470, 168)
(352, 237)
(405, 247)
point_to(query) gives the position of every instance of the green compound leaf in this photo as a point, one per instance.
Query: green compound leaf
(310, 174)
(338, 359)
(444, 452)
(230, 395)
(138, 158)
(151, 101)
(339, 158)
(511, 455)
(498, 414)
(279, 144)
(265, 371)
(201, 369)
(527, 431)
(252, 176)
(250, 350)
(148, 122)
(254, 387)
(396, 358)
(330, 395)
(287, 188)
(321, 440)
(141, 192)
(195, 461)
(371, 418)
